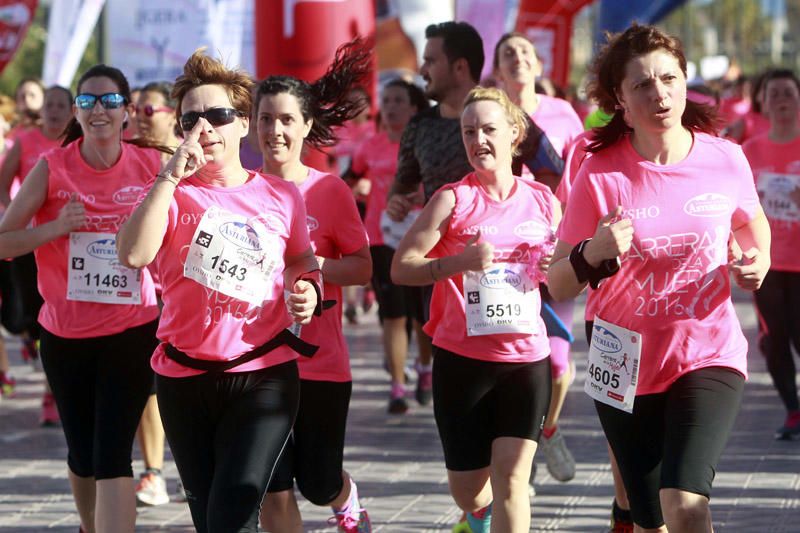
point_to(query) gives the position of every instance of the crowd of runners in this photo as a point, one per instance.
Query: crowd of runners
(194, 271)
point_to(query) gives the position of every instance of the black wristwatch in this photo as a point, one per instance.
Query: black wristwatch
(583, 270)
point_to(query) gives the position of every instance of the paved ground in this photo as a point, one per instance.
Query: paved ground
(398, 464)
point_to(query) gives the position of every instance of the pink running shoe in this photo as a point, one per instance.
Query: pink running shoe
(50, 416)
(355, 521)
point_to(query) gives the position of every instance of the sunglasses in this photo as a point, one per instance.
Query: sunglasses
(216, 116)
(149, 110)
(108, 100)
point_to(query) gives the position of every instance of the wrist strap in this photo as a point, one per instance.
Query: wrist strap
(579, 264)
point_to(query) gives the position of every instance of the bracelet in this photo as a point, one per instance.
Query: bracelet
(430, 269)
(169, 177)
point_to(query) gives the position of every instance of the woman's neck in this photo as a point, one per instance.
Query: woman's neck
(498, 184)
(293, 171)
(784, 131)
(232, 174)
(665, 148)
(101, 155)
(394, 134)
(524, 96)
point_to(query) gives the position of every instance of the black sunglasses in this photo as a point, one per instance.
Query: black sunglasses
(108, 100)
(216, 116)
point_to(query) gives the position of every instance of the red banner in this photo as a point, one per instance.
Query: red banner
(548, 23)
(299, 38)
(15, 18)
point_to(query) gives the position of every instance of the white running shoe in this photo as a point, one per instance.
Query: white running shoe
(152, 489)
(560, 462)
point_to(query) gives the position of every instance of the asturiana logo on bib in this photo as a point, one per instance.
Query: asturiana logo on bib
(240, 234)
(605, 341)
(708, 205)
(128, 195)
(312, 223)
(103, 249)
(498, 278)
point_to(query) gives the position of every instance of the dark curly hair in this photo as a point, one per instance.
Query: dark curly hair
(608, 72)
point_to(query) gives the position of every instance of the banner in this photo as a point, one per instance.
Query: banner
(150, 40)
(70, 26)
(15, 18)
(492, 18)
(548, 23)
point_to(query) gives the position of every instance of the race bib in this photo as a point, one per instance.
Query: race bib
(233, 255)
(95, 274)
(392, 231)
(613, 365)
(501, 299)
(780, 196)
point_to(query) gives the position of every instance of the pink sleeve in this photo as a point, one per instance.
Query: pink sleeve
(582, 211)
(350, 233)
(299, 240)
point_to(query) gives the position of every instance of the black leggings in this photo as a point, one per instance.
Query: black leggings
(673, 439)
(226, 432)
(778, 304)
(315, 450)
(100, 385)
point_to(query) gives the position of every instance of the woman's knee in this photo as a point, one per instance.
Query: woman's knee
(684, 511)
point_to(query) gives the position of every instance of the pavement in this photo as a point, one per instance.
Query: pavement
(397, 460)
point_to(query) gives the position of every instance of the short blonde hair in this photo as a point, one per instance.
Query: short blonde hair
(514, 115)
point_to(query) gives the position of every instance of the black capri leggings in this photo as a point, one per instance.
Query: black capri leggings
(226, 432)
(475, 402)
(673, 439)
(315, 451)
(778, 304)
(100, 386)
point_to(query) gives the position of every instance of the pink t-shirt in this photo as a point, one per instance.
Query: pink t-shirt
(559, 121)
(336, 230)
(205, 323)
(376, 160)
(576, 155)
(515, 227)
(673, 287)
(108, 196)
(776, 168)
(755, 124)
(33, 145)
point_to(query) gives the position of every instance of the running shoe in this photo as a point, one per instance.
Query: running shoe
(350, 314)
(49, 416)
(368, 300)
(424, 392)
(30, 350)
(7, 385)
(356, 521)
(152, 489)
(621, 521)
(790, 429)
(480, 521)
(397, 400)
(560, 462)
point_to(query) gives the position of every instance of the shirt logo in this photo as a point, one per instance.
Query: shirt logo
(532, 231)
(708, 205)
(128, 195)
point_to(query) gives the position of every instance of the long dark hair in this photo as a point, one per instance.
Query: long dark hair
(608, 71)
(326, 100)
(73, 131)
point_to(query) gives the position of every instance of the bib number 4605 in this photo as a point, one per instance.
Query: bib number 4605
(604, 376)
